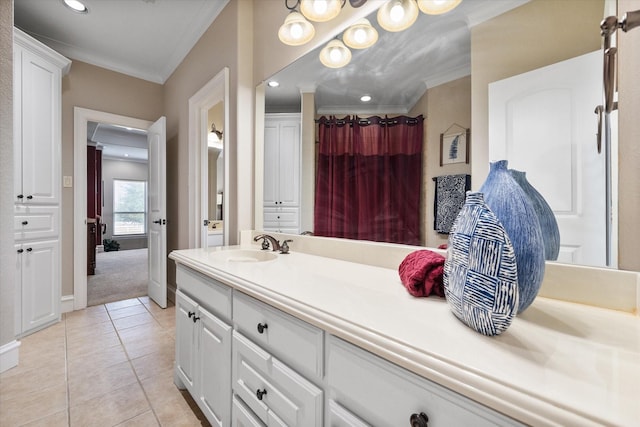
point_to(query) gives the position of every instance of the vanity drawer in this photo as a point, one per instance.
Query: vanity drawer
(209, 293)
(36, 222)
(293, 341)
(285, 217)
(273, 391)
(376, 392)
(242, 416)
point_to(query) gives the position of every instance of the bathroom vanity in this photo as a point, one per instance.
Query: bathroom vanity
(303, 339)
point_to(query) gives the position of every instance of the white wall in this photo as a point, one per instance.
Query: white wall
(121, 169)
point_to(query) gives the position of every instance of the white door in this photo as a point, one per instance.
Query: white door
(543, 123)
(157, 140)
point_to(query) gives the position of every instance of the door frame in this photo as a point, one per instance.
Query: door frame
(81, 117)
(214, 91)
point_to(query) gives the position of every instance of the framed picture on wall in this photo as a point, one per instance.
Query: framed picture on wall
(454, 147)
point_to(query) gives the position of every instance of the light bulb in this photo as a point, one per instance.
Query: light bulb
(320, 6)
(360, 35)
(296, 30)
(335, 54)
(397, 12)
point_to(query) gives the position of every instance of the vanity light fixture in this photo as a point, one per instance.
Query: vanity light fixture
(214, 139)
(296, 30)
(360, 35)
(76, 5)
(321, 10)
(437, 7)
(365, 98)
(335, 54)
(398, 15)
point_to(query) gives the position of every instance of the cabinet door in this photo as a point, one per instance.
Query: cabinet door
(17, 123)
(214, 373)
(271, 164)
(185, 340)
(289, 159)
(40, 93)
(40, 284)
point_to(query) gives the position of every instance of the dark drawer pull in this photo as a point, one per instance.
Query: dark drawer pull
(419, 420)
(195, 319)
(20, 251)
(262, 327)
(191, 314)
(25, 222)
(20, 196)
(29, 249)
(29, 197)
(260, 393)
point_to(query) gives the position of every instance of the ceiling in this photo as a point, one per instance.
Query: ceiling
(118, 142)
(147, 39)
(396, 71)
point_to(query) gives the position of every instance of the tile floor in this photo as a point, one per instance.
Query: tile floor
(107, 365)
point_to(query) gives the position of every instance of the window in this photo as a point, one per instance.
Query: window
(129, 207)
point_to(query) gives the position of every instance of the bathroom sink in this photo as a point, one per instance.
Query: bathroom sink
(244, 255)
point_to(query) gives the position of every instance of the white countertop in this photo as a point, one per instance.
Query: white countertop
(558, 363)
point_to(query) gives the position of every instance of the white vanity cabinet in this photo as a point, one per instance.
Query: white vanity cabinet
(37, 262)
(203, 343)
(37, 95)
(247, 363)
(364, 389)
(282, 173)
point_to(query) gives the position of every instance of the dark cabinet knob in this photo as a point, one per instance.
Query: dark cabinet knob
(29, 197)
(191, 314)
(29, 249)
(419, 420)
(25, 222)
(260, 393)
(20, 196)
(157, 222)
(20, 251)
(262, 327)
(195, 319)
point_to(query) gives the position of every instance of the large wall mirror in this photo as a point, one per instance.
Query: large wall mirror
(453, 69)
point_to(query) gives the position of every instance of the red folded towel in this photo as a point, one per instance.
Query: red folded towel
(421, 273)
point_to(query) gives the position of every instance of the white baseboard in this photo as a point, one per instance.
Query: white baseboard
(66, 303)
(171, 294)
(9, 355)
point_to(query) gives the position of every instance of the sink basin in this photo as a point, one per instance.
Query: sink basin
(245, 255)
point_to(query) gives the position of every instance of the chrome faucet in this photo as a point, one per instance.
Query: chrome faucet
(265, 242)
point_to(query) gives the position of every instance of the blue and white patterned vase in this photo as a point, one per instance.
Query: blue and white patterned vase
(548, 223)
(515, 211)
(480, 273)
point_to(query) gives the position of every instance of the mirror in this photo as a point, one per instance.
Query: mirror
(215, 175)
(440, 67)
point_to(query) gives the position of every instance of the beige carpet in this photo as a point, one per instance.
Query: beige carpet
(119, 275)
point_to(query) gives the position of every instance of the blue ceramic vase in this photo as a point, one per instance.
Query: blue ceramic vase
(515, 211)
(480, 273)
(548, 223)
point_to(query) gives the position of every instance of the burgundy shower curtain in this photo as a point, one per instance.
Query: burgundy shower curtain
(368, 180)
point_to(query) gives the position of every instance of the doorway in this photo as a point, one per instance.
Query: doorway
(82, 117)
(117, 214)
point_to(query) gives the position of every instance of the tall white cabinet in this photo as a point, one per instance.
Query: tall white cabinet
(37, 100)
(282, 173)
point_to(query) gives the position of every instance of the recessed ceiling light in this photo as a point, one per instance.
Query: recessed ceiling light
(126, 155)
(76, 6)
(273, 83)
(365, 98)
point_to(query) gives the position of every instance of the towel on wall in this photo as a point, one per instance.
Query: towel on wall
(421, 273)
(449, 199)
